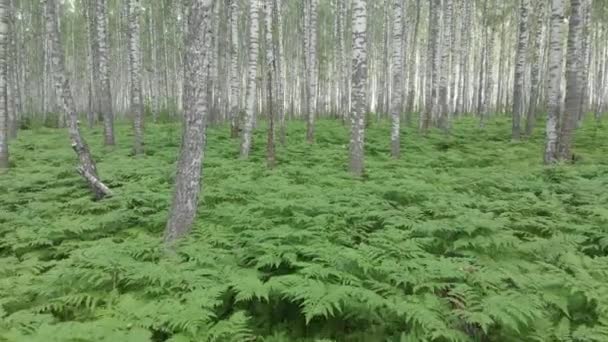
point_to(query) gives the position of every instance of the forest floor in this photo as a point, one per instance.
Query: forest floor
(467, 237)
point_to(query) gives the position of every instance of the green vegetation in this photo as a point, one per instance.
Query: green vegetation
(467, 238)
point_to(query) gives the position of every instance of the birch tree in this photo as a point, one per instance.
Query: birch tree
(359, 88)
(104, 72)
(537, 54)
(573, 86)
(396, 70)
(444, 108)
(235, 85)
(311, 68)
(556, 57)
(254, 27)
(190, 163)
(520, 67)
(87, 168)
(3, 84)
(137, 107)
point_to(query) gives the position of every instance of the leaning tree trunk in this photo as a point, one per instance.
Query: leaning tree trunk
(359, 95)
(189, 166)
(536, 66)
(520, 67)
(396, 79)
(254, 27)
(104, 71)
(87, 168)
(556, 56)
(573, 87)
(137, 108)
(3, 84)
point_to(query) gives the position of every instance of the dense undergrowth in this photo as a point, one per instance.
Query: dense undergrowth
(467, 238)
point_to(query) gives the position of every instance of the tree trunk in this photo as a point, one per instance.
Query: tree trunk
(520, 67)
(536, 66)
(3, 84)
(235, 82)
(270, 147)
(556, 57)
(62, 86)
(444, 107)
(359, 88)
(254, 26)
(585, 58)
(137, 108)
(104, 71)
(311, 67)
(411, 88)
(277, 15)
(189, 167)
(396, 78)
(573, 86)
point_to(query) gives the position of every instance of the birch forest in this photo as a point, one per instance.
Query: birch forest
(303, 170)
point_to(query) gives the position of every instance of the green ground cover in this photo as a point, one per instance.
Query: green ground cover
(466, 238)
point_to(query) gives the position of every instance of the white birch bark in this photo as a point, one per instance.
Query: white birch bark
(254, 45)
(556, 56)
(359, 87)
(190, 163)
(397, 84)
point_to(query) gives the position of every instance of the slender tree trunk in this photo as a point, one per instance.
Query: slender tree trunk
(270, 147)
(3, 84)
(489, 75)
(278, 18)
(412, 63)
(104, 71)
(254, 25)
(556, 56)
(189, 167)
(445, 67)
(464, 61)
(536, 66)
(573, 86)
(359, 74)
(137, 108)
(396, 78)
(235, 84)
(432, 65)
(87, 167)
(520, 67)
(585, 58)
(312, 70)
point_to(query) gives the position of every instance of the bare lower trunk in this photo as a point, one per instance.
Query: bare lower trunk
(520, 67)
(396, 79)
(104, 71)
(3, 84)
(554, 80)
(137, 108)
(87, 165)
(573, 87)
(359, 96)
(235, 84)
(536, 66)
(311, 66)
(189, 166)
(254, 25)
